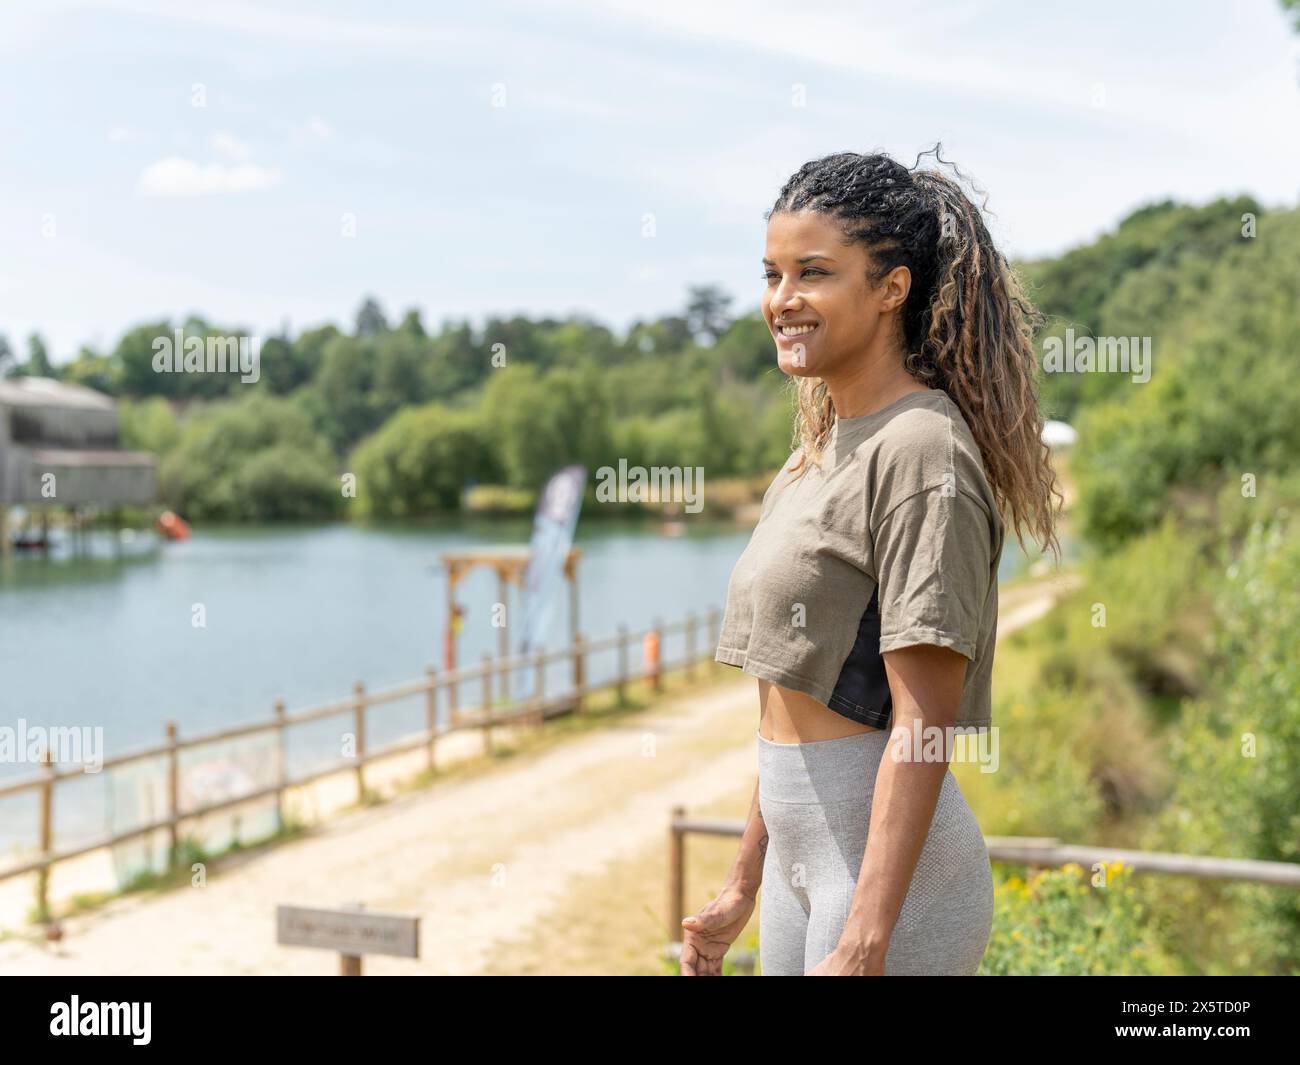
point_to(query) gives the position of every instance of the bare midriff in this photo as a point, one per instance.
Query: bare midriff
(788, 716)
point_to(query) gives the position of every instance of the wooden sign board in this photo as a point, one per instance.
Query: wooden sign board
(354, 932)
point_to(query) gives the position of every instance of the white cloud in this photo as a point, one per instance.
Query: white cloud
(234, 150)
(175, 176)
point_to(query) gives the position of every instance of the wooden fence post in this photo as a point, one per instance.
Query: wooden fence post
(676, 877)
(579, 671)
(173, 795)
(359, 730)
(47, 832)
(690, 646)
(453, 701)
(539, 686)
(622, 665)
(487, 702)
(281, 763)
(431, 713)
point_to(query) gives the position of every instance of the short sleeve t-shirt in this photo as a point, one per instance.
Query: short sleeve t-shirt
(894, 541)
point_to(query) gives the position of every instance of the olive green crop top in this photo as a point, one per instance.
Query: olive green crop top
(895, 541)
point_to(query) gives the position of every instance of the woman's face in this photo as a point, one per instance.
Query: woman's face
(815, 279)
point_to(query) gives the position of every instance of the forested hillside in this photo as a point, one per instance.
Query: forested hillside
(418, 415)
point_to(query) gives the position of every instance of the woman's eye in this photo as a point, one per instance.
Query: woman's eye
(769, 276)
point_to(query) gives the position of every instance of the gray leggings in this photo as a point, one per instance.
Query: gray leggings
(816, 802)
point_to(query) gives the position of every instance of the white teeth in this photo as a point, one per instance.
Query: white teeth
(796, 330)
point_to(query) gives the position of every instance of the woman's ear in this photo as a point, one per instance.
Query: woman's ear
(894, 289)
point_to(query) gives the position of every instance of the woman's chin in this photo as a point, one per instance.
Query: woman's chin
(796, 365)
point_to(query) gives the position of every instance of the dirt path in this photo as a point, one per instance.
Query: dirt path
(480, 860)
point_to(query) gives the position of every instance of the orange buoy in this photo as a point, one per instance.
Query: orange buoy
(172, 526)
(650, 650)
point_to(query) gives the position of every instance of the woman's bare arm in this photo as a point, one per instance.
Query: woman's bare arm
(747, 871)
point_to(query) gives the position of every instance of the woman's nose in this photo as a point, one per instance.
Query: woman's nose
(784, 298)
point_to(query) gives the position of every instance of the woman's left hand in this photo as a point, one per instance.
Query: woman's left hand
(842, 962)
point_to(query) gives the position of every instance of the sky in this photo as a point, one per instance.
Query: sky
(271, 164)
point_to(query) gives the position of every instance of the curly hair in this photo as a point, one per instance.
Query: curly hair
(967, 324)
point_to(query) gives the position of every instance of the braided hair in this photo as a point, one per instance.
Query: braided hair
(967, 325)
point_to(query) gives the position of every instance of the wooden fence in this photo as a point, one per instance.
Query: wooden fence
(488, 713)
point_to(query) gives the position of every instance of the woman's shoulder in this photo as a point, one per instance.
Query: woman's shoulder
(927, 421)
(926, 445)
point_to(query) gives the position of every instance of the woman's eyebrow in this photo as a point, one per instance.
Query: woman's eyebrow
(804, 259)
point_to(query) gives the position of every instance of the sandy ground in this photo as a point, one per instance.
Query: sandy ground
(482, 858)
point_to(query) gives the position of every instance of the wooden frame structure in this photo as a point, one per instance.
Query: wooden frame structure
(510, 561)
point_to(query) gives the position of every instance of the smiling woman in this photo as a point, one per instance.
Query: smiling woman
(866, 599)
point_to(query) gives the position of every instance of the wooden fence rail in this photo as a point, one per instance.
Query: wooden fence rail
(1021, 850)
(534, 711)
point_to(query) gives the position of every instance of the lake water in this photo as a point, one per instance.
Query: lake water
(301, 613)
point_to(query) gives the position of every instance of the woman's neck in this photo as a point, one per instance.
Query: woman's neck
(876, 385)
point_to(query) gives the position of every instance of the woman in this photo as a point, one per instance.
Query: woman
(866, 600)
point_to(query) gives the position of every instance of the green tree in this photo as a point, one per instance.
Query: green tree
(370, 318)
(38, 359)
(89, 369)
(139, 347)
(149, 425)
(457, 362)
(251, 459)
(341, 393)
(544, 422)
(401, 375)
(1220, 400)
(663, 335)
(285, 365)
(1142, 280)
(706, 312)
(419, 462)
(412, 326)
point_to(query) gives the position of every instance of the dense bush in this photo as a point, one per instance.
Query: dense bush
(1072, 922)
(421, 460)
(249, 460)
(1236, 761)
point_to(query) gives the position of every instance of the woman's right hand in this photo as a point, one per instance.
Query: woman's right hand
(707, 934)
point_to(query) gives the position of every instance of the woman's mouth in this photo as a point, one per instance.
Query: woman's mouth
(791, 334)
